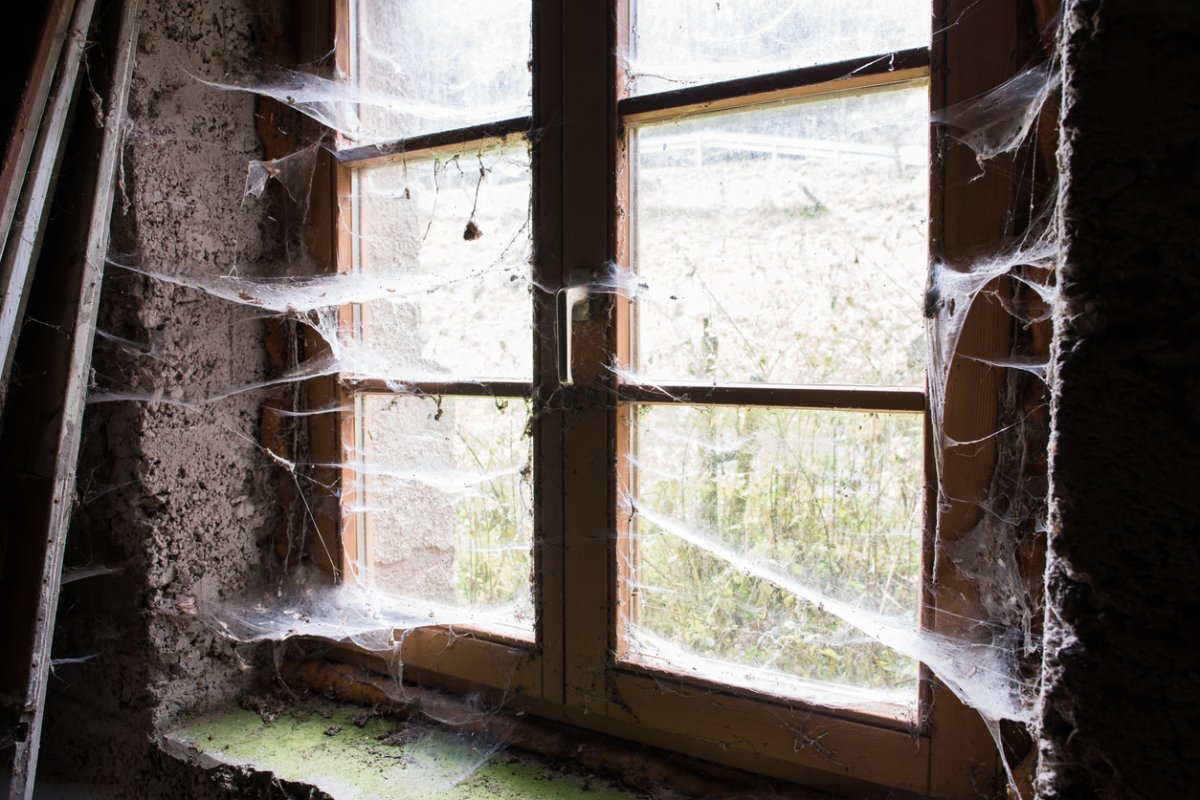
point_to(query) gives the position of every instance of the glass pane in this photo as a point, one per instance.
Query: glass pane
(682, 42)
(432, 65)
(448, 236)
(785, 244)
(447, 503)
(753, 523)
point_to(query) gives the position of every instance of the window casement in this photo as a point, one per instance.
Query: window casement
(663, 347)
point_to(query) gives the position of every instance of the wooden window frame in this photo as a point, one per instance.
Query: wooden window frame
(579, 196)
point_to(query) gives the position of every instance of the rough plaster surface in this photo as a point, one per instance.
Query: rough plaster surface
(1121, 697)
(181, 498)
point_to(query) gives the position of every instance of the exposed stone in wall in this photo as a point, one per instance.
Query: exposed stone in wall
(180, 498)
(1120, 708)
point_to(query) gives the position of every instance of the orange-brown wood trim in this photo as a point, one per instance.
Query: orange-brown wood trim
(847, 398)
(626, 564)
(457, 139)
(877, 70)
(460, 658)
(974, 52)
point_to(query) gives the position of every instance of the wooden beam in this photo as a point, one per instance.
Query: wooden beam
(25, 237)
(61, 385)
(29, 113)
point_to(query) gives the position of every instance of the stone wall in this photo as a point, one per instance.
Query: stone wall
(180, 498)
(1120, 699)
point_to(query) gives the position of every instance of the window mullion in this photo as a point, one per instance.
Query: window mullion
(587, 211)
(547, 154)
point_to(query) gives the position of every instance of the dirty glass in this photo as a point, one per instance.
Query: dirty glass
(449, 235)
(447, 502)
(432, 65)
(784, 244)
(735, 508)
(678, 43)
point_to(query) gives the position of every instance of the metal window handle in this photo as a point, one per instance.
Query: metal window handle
(569, 299)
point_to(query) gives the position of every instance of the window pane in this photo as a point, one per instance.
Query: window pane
(438, 65)
(784, 244)
(449, 234)
(682, 42)
(446, 501)
(741, 511)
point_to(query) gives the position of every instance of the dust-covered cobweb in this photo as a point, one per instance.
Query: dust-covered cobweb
(778, 548)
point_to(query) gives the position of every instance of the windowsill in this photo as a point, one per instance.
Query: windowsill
(346, 751)
(439, 745)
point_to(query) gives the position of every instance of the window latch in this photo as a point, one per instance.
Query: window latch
(572, 306)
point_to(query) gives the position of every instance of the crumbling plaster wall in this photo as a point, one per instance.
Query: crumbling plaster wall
(182, 499)
(1120, 715)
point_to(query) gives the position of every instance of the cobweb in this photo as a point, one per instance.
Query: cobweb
(440, 485)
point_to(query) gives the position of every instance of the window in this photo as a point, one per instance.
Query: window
(641, 403)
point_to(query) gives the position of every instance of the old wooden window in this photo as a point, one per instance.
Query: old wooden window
(649, 426)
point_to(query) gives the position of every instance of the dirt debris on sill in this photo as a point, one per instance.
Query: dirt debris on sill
(372, 755)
